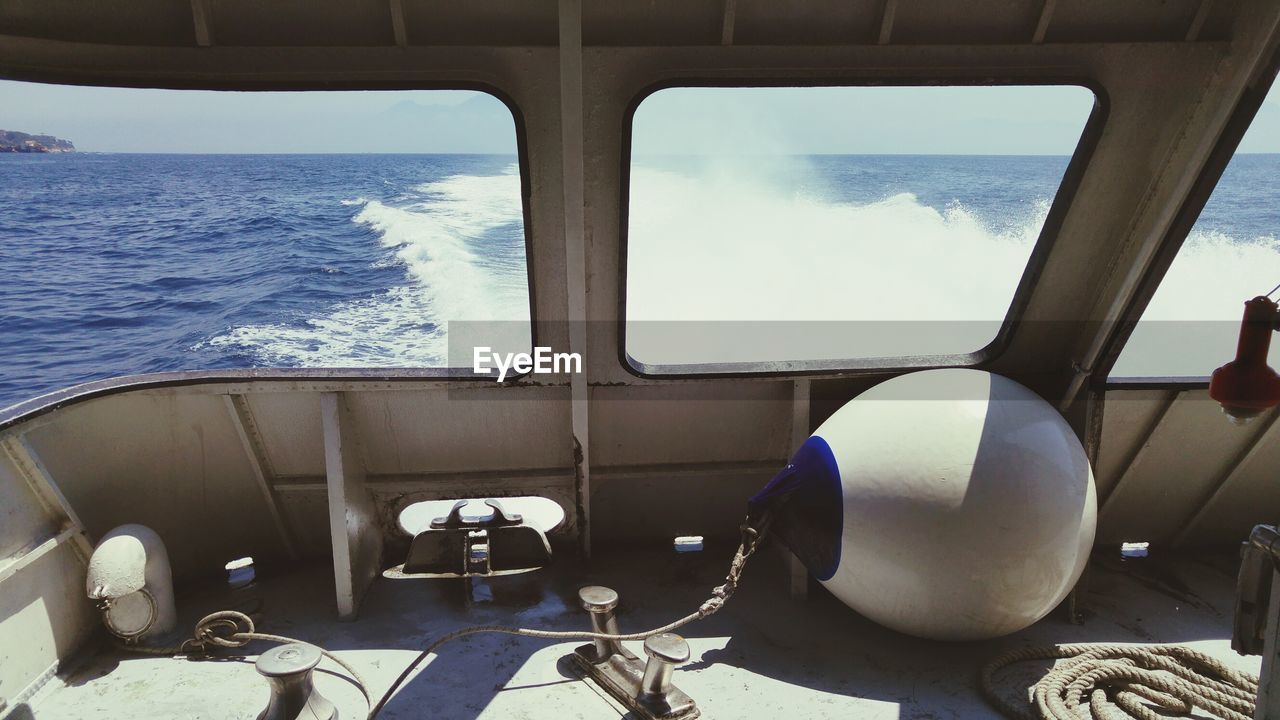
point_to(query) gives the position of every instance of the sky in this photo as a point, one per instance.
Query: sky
(923, 120)
(101, 119)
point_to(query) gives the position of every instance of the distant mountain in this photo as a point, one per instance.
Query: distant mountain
(12, 141)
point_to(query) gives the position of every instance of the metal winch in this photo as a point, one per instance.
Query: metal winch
(288, 669)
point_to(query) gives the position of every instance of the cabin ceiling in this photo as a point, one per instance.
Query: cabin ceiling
(427, 23)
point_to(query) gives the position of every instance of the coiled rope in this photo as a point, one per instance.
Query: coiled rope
(1116, 682)
(233, 629)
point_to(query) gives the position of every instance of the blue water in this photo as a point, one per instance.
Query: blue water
(123, 264)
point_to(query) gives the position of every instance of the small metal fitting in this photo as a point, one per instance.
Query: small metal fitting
(1267, 539)
(288, 669)
(665, 651)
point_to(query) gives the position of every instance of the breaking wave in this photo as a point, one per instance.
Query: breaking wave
(730, 250)
(1191, 325)
(751, 261)
(461, 244)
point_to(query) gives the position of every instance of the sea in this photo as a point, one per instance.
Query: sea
(119, 264)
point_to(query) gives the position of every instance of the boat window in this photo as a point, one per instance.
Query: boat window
(782, 228)
(1231, 254)
(203, 230)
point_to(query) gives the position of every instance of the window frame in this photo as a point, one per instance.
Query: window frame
(1062, 201)
(1184, 221)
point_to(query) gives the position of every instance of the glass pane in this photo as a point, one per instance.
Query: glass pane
(208, 230)
(1231, 255)
(833, 223)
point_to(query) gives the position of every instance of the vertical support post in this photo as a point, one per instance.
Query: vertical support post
(353, 521)
(572, 141)
(797, 573)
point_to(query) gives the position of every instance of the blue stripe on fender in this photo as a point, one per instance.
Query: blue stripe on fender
(811, 520)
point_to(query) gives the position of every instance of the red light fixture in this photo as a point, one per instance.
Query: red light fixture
(1247, 386)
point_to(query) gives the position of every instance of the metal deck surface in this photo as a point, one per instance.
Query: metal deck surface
(765, 655)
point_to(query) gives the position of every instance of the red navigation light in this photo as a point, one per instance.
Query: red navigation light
(1247, 386)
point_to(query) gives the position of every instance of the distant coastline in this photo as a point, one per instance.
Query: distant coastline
(12, 141)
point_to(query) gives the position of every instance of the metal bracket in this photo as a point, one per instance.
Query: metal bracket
(454, 546)
(644, 687)
(1253, 591)
(1256, 626)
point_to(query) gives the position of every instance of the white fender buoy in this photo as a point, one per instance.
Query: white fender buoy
(948, 504)
(130, 579)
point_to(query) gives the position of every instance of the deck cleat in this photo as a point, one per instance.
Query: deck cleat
(501, 543)
(644, 687)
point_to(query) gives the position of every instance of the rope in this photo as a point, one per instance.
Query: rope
(1118, 682)
(233, 629)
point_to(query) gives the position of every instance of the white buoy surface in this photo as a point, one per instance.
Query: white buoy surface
(968, 505)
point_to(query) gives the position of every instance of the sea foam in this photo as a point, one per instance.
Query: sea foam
(1191, 325)
(442, 235)
(755, 262)
(727, 267)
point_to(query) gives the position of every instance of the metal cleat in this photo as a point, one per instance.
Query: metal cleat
(643, 686)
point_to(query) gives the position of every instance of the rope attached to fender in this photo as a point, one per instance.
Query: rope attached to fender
(1119, 682)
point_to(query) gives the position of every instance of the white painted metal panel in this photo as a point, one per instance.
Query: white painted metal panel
(461, 429)
(1249, 495)
(291, 432)
(655, 504)
(44, 617)
(1126, 421)
(171, 462)
(693, 422)
(23, 520)
(1178, 467)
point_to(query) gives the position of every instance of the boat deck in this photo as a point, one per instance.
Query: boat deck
(764, 655)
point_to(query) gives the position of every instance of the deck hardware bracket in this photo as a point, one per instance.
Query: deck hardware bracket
(1256, 624)
(1259, 559)
(458, 546)
(643, 686)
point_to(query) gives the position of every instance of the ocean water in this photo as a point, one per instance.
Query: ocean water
(124, 264)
